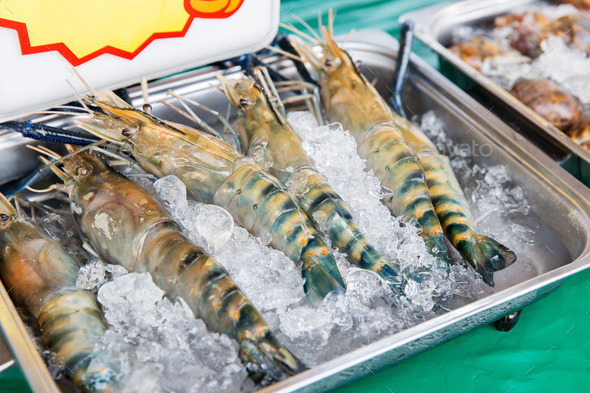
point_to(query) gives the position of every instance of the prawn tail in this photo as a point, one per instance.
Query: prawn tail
(320, 272)
(487, 256)
(267, 361)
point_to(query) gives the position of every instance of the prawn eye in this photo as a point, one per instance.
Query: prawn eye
(126, 132)
(328, 63)
(4, 217)
(244, 102)
(81, 171)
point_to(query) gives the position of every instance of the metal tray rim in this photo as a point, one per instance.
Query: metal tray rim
(580, 198)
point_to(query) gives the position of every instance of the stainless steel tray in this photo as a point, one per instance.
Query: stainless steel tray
(434, 26)
(561, 203)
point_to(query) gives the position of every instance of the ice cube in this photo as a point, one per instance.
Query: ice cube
(215, 225)
(96, 273)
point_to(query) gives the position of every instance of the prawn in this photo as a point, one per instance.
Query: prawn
(216, 172)
(127, 226)
(351, 100)
(270, 138)
(42, 278)
(403, 149)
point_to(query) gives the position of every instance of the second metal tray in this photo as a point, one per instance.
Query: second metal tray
(434, 26)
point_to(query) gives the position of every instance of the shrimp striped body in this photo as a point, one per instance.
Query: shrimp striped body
(215, 172)
(349, 99)
(41, 276)
(485, 254)
(127, 226)
(271, 140)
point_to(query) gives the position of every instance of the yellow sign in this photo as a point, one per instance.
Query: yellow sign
(84, 29)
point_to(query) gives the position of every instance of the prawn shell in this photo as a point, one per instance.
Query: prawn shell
(266, 209)
(42, 277)
(274, 144)
(399, 169)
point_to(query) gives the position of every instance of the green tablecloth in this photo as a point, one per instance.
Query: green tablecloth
(548, 351)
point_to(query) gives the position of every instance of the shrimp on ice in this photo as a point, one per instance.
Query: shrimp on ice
(271, 140)
(216, 172)
(127, 226)
(42, 278)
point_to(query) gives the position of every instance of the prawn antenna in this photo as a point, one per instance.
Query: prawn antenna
(308, 27)
(331, 15)
(347, 38)
(57, 157)
(42, 191)
(147, 107)
(300, 33)
(79, 96)
(45, 151)
(216, 86)
(284, 53)
(178, 110)
(90, 89)
(195, 118)
(55, 113)
(221, 118)
(17, 205)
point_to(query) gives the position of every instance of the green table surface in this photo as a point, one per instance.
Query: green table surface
(547, 351)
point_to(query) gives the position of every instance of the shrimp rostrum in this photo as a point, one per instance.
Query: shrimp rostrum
(271, 140)
(216, 172)
(127, 226)
(421, 180)
(41, 277)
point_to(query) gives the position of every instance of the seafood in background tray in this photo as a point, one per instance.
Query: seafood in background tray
(215, 172)
(41, 276)
(423, 185)
(552, 103)
(532, 28)
(349, 99)
(127, 226)
(581, 135)
(270, 139)
(534, 35)
(482, 53)
(528, 30)
(583, 5)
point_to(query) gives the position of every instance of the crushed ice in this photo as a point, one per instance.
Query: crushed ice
(159, 344)
(96, 273)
